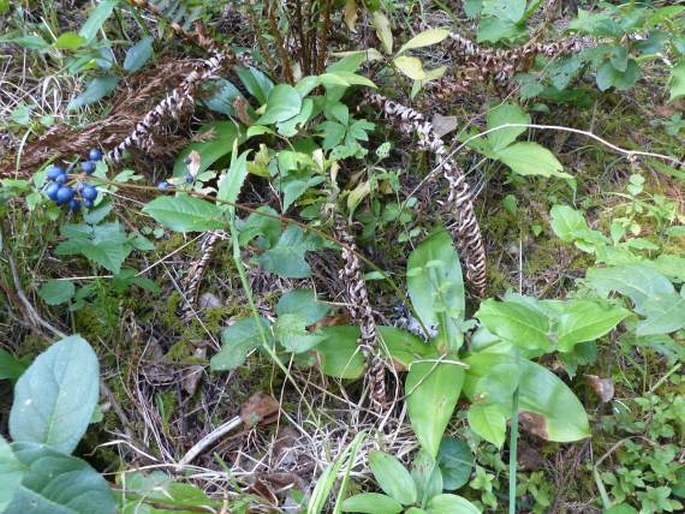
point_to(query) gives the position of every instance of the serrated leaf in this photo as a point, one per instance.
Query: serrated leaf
(382, 25)
(55, 292)
(97, 89)
(11, 473)
(56, 483)
(676, 83)
(425, 38)
(138, 55)
(290, 331)
(184, 213)
(412, 67)
(283, 103)
(238, 341)
(432, 389)
(530, 158)
(304, 303)
(392, 477)
(55, 397)
(371, 503)
(105, 244)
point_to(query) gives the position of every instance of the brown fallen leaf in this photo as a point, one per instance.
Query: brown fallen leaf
(603, 387)
(259, 409)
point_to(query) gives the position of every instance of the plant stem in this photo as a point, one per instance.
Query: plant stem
(513, 450)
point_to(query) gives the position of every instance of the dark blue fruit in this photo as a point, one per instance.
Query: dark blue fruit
(189, 178)
(163, 185)
(74, 205)
(61, 179)
(55, 172)
(88, 203)
(95, 154)
(51, 191)
(89, 192)
(88, 167)
(64, 195)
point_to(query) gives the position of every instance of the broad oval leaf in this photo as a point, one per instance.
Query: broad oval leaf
(489, 422)
(451, 504)
(339, 354)
(665, 313)
(184, 213)
(55, 292)
(547, 407)
(11, 473)
(371, 503)
(530, 158)
(97, 89)
(425, 38)
(676, 83)
(58, 484)
(138, 55)
(304, 303)
(568, 223)
(502, 115)
(404, 347)
(433, 389)
(55, 397)
(584, 321)
(456, 463)
(517, 323)
(283, 103)
(412, 67)
(238, 341)
(392, 477)
(639, 282)
(69, 41)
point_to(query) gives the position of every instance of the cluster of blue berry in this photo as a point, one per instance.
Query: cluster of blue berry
(59, 190)
(165, 185)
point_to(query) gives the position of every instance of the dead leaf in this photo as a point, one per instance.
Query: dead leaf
(603, 387)
(534, 423)
(264, 491)
(192, 163)
(259, 408)
(350, 15)
(443, 124)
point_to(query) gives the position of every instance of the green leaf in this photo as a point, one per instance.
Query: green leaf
(608, 76)
(584, 321)
(568, 223)
(371, 503)
(451, 504)
(55, 292)
(105, 244)
(339, 354)
(412, 67)
(433, 389)
(238, 341)
(97, 89)
(290, 331)
(436, 286)
(263, 222)
(287, 257)
(530, 158)
(425, 38)
(676, 83)
(223, 94)
(622, 508)
(184, 213)
(456, 463)
(97, 18)
(489, 422)
(58, 484)
(256, 83)
(231, 182)
(283, 103)
(507, 10)
(491, 29)
(502, 115)
(138, 55)
(637, 281)
(11, 368)
(304, 303)
(392, 477)
(55, 397)
(158, 486)
(69, 41)
(224, 135)
(382, 25)
(547, 407)
(520, 324)
(665, 313)
(11, 473)
(427, 477)
(404, 347)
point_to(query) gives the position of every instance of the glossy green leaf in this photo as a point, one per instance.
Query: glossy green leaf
(256, 83)
(451, 504)
(98, 16)
(96, 90)
(436, 286)
(639, 282)
(426, 38)
(583, 321)
(304, 303)
(224, 135)
(676, 83)
(11, 368)
(456, 463)
(432, 389)
(427, 476)
(665, 313)
(56, 483)
(185, 213)
(11, 473)
(371, 503)
(138, 55)
(517, 323)
(55, 292)
(530, 158)
(55, 397)
(238, 340)
(547, 407)
(505, 114)
(488, 421)
(339, 354)
(392, 477)
(283, 103)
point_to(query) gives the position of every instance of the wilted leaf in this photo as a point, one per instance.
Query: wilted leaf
(383, 31)
(350, 15)
(603, 387)
(425, 38)
(258, 407)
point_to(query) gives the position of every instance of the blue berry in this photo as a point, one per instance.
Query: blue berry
(74, 205)
(79, 187)
(189, 178)
(55, 172)
(95, 154)
(163, 185)
(51, 191)
(88, 203)
(89, 192)
(64, 195)
(61, 179)
(88, 167)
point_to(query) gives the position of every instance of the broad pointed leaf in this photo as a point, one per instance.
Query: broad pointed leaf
(392, 477)
(184, 213)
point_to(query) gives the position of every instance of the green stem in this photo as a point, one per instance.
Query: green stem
(513, 450)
